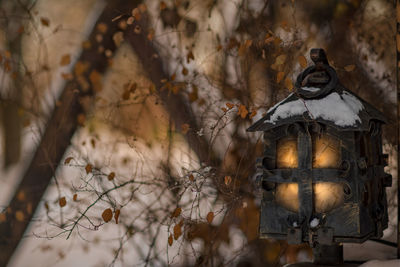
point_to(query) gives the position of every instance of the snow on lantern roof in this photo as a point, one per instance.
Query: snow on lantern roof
(320, 97)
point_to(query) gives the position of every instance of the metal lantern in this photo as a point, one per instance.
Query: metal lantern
(323, 176)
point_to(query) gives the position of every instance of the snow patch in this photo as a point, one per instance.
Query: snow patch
(311, 89)
(342, 110)
(314, 222)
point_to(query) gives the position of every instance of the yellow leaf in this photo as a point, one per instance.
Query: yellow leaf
(107, 215)
(177, 231)
(242, 111)
(280, 76)
(88, 168)
(288, 83)
(62, 201)
(210, 217)
(350, 68)
(185, 128)
(111, 176)
(116, 215)
(170, 240)
(65, 60)
(176, 212)
(280, 59)
(227, 180)
(302, 61)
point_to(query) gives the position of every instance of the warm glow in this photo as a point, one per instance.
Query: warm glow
(327, 196)
(287, 195)
(326, 152)
(286, 153)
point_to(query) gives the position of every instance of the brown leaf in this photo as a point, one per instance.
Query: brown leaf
(189, 56)
(19, 215)
(194, 95)
(210, 217)
(75, 197)
(185, 71)
(81, 67)
(163, 5)
(3, 217)
(81, 119)
(107, 215)
(45, 21)
(280, 76)
(170, 240)
(229, 105)
(242, 111)
(102, 27)
(176, 212)
(95, 79)
(288, 83)
(116, 215)
(62, 201)
(88, 168)
(185, 128)
(65, 60)
(191, 177)
(253, 113)
(68, 160)
(21, 196)
(349, 68)
(280, 59)
(177, 231)
(111, 176)
(227, 180)
(302, 61)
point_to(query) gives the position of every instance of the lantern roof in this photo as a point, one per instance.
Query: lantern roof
(319, 97)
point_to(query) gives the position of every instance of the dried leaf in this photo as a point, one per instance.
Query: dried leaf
(88, 168)
(227, 180)
(224, 109)
(45, 21)
(21, 196)
(19, 215)
(302, 61)
(191, 177)
(176, 212)
(288, 83)
(242, 111)
(189, 56)
(253, 113)
(230, 105)
(210, 217)
(62, 202)
(75, 197)
(185, 71)
(102, 27)
(170, 240)
(280, 59)
(81, 67)
(163, 5)
(185, 128)
(81, 119)
(107, 215)
(111, 176)
(118, 37)
(116, 215)
(95, 79)
(350, 67)
(177, 231)
(3, 217)
(65, 60)
(280, 76)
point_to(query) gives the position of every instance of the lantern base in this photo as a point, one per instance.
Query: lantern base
(326, 256)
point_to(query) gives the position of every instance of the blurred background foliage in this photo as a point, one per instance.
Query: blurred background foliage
(159, 170)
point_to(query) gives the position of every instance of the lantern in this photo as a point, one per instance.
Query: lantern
(323, 176)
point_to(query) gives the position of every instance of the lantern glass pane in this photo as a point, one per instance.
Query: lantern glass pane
(287, 196)
(286, 152)
(326, 152)
(327, 196)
